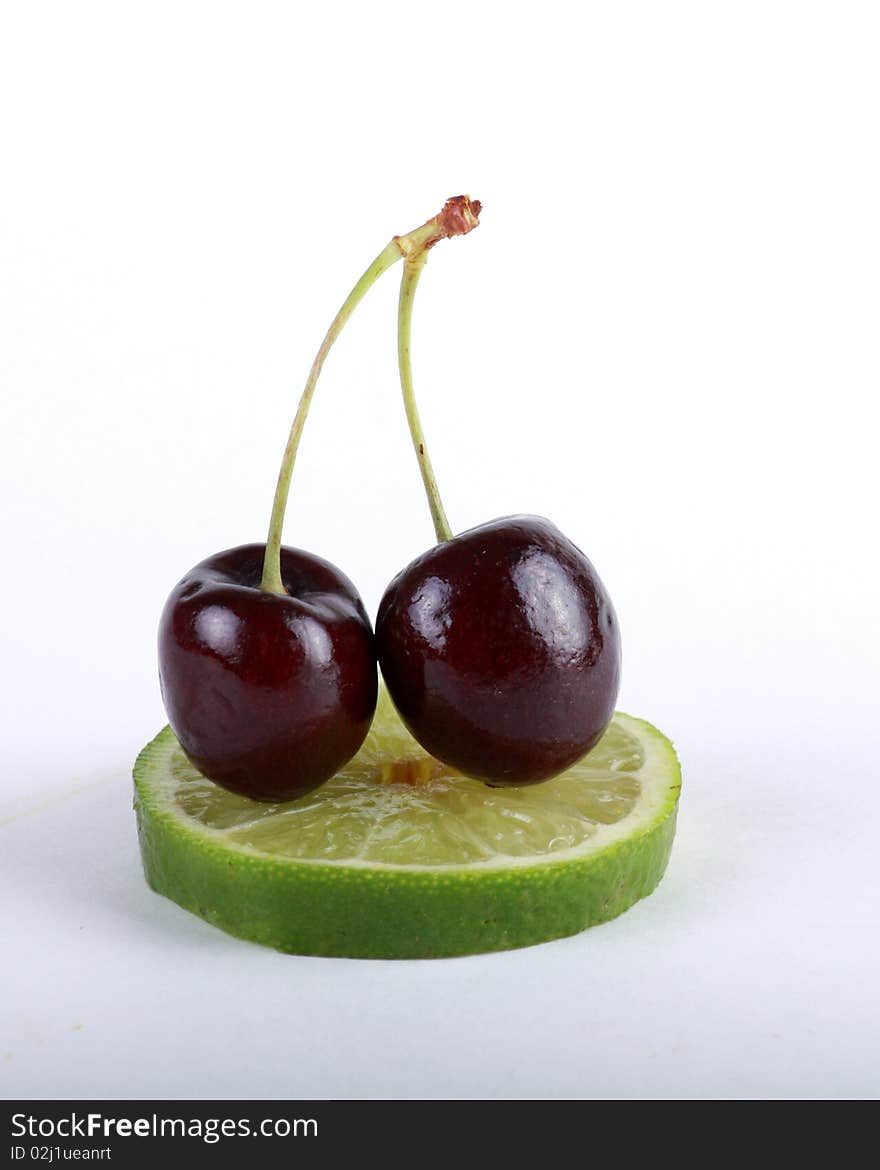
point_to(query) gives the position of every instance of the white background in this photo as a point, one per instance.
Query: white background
(663, 336)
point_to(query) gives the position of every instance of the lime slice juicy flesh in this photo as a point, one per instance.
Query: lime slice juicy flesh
(398, 856)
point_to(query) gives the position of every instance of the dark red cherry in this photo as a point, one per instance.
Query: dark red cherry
(268, 694)
(501, 651)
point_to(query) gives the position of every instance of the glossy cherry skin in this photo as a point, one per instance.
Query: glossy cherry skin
(501, 651)
(269, 695)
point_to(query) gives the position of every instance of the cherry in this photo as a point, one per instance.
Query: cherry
(500, 646)
(266, 656)
(268, 694)
(500, 649)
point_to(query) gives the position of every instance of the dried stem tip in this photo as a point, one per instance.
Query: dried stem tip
(460, 215)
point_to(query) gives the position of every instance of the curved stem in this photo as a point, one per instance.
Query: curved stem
(412, 270)
(458, 216)
(272, 581)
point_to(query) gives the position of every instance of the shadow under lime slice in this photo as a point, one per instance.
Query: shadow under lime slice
(399, 857)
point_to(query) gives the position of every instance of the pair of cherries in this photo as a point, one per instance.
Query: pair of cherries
(499, 646)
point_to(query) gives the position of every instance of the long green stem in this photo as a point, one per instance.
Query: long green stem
(272, 581)
(412, 269)
(458, 216)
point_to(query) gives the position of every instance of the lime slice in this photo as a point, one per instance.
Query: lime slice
(399, 857)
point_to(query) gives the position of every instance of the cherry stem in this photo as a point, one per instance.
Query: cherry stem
(272, 581)
(466, 214)
(413, 267)
(458, 216)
